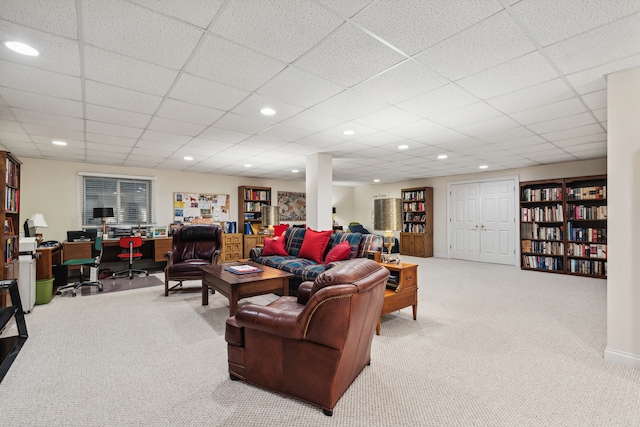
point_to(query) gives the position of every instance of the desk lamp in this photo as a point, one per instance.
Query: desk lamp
(270, 217)
(37, 221)
(387, 216)
(103, 213)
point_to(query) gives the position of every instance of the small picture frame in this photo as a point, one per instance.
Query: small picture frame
(8, 226)
(160, 232)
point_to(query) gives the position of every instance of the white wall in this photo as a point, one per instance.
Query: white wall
(363, 196)
(623, 200)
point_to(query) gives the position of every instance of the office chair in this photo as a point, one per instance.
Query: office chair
(131, 244)
(92, 263)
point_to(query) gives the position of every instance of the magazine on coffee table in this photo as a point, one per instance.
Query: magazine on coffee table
(243, 269)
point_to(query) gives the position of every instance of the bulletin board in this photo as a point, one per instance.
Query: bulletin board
(200, 207)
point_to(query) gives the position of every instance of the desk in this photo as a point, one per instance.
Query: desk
(151, 248)
(46, 258)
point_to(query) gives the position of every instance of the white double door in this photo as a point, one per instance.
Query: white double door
(482, 221)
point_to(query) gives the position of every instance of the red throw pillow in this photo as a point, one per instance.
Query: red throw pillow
(278, 230)
(274, 247)
(314, 244)
(339, 252)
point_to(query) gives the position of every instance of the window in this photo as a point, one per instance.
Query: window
(132, 198)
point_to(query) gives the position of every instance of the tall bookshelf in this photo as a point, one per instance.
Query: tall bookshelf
(563, 225)
(416, 237)
(10, 215)
(251, 200)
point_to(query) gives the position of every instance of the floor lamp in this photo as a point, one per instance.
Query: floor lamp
(387, 216)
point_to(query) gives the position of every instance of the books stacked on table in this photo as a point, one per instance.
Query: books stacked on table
(243, 269)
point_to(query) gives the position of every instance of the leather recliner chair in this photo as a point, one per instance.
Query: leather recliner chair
(313, 346)
(193, 246)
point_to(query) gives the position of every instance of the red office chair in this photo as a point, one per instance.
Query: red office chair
(130, 243)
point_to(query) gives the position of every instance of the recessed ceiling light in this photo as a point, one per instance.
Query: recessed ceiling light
(349, 132)
(268, 111)
(294, 170)
(62, 143)
(22, 48)
(484, 167)
(442, 156)
(376, 180)
(402, 147)
(188, 158)
(247, 165)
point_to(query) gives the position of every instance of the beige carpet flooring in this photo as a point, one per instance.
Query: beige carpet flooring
(492, 346)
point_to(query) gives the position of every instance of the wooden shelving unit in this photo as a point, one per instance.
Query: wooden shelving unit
(250, 201)
(416, 237)
(563, 225)
(10, 215)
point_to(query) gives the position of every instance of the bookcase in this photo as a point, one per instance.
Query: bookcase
(416, 237)
(563, 225)
(10, 215)
(250, 202)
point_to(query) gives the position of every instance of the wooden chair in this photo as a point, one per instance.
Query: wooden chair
(131, 244)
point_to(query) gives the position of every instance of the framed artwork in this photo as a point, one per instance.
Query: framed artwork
(160, 232)
(200, 208)
(292, 206)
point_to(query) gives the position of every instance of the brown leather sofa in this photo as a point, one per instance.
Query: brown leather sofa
(193, 246)
(314, 346)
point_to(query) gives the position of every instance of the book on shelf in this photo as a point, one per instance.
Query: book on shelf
(243, 269)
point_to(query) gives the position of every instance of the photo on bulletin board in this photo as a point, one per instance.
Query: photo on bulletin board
(191, 208)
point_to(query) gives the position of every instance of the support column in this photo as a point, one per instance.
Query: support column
(319, 187)
(623, 222)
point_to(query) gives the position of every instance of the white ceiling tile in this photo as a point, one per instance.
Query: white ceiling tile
(42, 103)
(298, 87)
(21, 77)
(495, 40)
(190, 113)
(416, 129)
(581, 140)
(10, 126)
(318, 140)
(601, 114)
(156, 148)
(198, 12)
(34, 117)
(244, 124)
(423, 23)
(134, 31)
(52, 132)
(473, 113)
(312, 121)
(119, 98)
(550, 21)
(223, 135)
(534, 96)
(252, 24)
(348, 56)
(348, 105)
(346, 7)
(206, 93)
(554, 110)
(208, 144)
(338, 131)
(111, 139)
(162, 124)
(115, 130)
(379, 138)
(285, 133)
(164, 137)
(234, 65)
(593, 79)
(57, 54)
(99, 113)
(96, 148)
(562, 123)
(251, 106)
(440, 137)
(505, 134)
(95, 155)
(520, 142)
(525, 71)
(488, 126)
(123, 71)
(401, 82)
(262, 142)
(386, 118)
(591, 154)
(445, 98)
(58, 17)
(596, 100)
(573, 133)
(13, 136)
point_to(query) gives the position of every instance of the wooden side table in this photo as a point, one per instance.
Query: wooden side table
(405, 295)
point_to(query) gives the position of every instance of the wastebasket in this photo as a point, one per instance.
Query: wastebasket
(44, 290)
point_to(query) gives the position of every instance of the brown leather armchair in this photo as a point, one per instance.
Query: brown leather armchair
(313, 346)
(193, 246)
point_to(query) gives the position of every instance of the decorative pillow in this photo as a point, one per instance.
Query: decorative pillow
(339, 252)
(314, 244)
(274, 247)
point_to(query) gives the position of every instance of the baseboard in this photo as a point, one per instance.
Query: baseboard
(622, 358)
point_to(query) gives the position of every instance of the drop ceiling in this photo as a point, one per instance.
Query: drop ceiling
(146, 83)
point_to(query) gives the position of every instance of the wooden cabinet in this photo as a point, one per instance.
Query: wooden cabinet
(251, 241)
(10, 217)
(563, 225)
(161, 245)
(405, 276)
(231, 247)
(250, 202)
(416, 238)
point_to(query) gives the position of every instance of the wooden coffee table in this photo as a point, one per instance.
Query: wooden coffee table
(238, 286)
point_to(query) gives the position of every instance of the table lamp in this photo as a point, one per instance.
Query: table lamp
(270, 217)
(103, 213)
(37, 221)
(387, 216)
